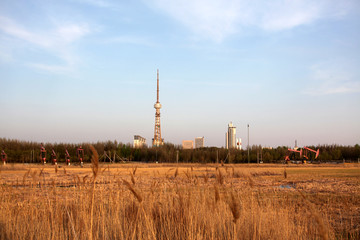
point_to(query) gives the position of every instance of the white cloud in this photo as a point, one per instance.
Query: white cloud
(72, 32)
(56, 42)
(286, 14)
(11, 28)
(332, 78)
(97, 3)
(210, 17)
(289, 14)
(127, 39)
(60, 69)
(218, 19)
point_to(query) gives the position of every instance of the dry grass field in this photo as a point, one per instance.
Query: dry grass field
(180, 201)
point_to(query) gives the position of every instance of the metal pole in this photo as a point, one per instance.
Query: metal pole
(229, 153)
(248, 145)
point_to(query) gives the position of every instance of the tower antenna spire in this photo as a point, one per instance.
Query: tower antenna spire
(157, 99)
(157, 140)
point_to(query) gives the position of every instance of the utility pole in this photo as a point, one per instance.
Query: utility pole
(248, 145)
(177, 156)
(156, 155)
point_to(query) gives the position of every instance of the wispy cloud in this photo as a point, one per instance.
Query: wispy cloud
(331, 78)
(11, 28)
(127, 39)
(97, 3)
(59, 69)
(57, 41)
(71, 32)
(289, 14)
(218, 19)
(212, 18)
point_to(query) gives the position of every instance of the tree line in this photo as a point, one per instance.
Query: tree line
(29, 152)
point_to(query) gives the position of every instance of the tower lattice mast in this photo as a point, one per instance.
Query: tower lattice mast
(157, 140)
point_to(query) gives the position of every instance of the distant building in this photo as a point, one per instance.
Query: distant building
(230, 141)
(199, 142)
(187, 144)
(139, 141)
(238, 144)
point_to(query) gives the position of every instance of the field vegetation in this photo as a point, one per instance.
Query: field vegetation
(180, 201)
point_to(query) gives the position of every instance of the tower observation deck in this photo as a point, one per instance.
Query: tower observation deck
(157, 140)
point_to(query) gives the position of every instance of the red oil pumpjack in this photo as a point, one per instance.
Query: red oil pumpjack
(80, 155)
(53, 157)
(292, 152)
(43, 154)
(304, 154)
(3, 157)
(67, 157)
(307, 152)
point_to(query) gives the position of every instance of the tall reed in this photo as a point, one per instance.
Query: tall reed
(95, 171)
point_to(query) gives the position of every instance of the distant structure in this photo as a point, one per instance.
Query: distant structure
(80, 155)
(3, 157)
(53, 157)
(139, 141)
(238, 144)
(199, 142)
(67, 157)
(230, 141)
(43, 154)
(157, 140)
(187, 144)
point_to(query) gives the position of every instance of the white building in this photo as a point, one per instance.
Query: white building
(139, 141)
(230, 141)
(199, 142)
(187, 144)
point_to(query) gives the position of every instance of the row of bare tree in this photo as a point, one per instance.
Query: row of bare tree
(29, 152)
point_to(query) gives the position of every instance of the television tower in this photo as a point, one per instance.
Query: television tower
(157, 140)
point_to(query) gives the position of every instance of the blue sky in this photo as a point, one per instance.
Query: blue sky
(85, 70)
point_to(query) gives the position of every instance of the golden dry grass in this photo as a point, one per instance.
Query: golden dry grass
(180, 201)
